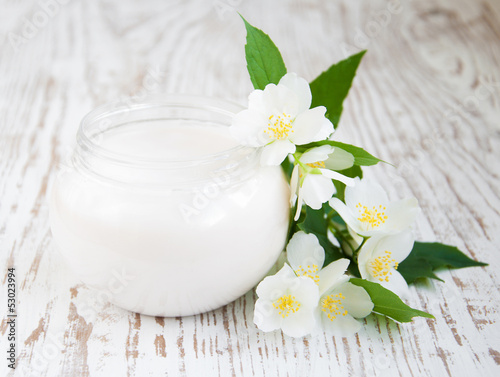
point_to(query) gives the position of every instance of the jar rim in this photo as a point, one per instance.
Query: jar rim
(129, 105)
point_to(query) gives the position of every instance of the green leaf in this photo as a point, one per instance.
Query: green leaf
(415, 269)
(361, 157)
(315, 222)
(388, 303)
(331, 87)
(427, 257)
(354, 171)
(264, 62)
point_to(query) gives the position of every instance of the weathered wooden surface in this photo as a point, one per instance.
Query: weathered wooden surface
(427, 98)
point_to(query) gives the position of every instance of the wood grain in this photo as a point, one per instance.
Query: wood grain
(427, 99)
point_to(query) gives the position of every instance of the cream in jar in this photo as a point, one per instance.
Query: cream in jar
(163, 210)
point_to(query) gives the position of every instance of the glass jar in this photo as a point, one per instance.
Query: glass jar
(161, 210)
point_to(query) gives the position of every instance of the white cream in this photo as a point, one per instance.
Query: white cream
(174, 141)
(164, 250)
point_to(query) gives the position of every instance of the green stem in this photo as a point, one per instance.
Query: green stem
(355, 252)
(337, 232)
(291, 224)
(330, 215)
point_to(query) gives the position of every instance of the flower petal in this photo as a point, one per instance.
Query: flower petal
(279, 99)
(338, 177)
(257, 103)
(299, 324)
(399, 245)
(294, 182)
(396, 284)
(300, 200)
(401, 214)
(317, 190)
(303, 321)
(248, 128)
(366, 255)
(304, 250)
(357, 301)
(272, 287)
(341, 326)
(346, 214)
(355, 236)
(332, 275)
(300, 87)
(305, 291)
(276, 152)
(365, 192)
(316, 154)
(311, 125)
(265, 316)
(339, 159)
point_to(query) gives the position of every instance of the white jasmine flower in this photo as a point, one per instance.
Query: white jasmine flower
(311, 180)
(340, 306)
(340, 302)
(368, 212)
(379, 258)
(306, 257)
(279, 118)
(286, 302)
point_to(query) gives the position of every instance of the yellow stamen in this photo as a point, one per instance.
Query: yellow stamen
(309, 271)
(381, 266)
(332, 306)
(372, 217)
(279, 126)
(317, 164)
(286, 305)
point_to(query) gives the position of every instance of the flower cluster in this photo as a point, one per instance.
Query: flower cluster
(303, 297)
(381, 232)
(341, 222)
